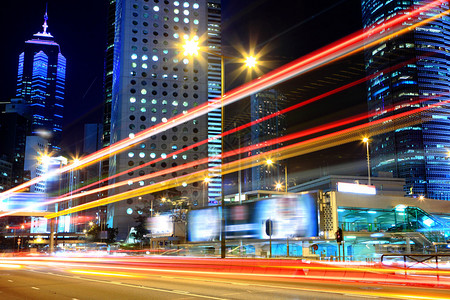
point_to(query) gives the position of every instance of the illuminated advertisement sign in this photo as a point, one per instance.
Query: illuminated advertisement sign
(291, 216)
(355, 188)
(204, 225)
(161, 225)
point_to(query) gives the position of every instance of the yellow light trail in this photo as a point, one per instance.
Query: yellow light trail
(330, 140)
(318, 58)
(99, 273)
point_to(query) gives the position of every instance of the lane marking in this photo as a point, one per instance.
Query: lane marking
(363, 296)
(135, 286)
(10, 280)
(35, 288)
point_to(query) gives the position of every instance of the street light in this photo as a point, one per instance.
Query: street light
(192, 48)
(206, 181)
(366, 141)
(278, 185)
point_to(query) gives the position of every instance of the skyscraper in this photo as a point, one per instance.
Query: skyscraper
(421, 70)
(152, 81)
(41, 83)
(264, 103)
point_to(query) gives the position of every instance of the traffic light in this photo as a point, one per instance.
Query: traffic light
(339, 235)
(269, 227)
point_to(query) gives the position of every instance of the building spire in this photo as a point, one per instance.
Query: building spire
(45, 26)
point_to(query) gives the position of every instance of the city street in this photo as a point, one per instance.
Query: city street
(103, 278)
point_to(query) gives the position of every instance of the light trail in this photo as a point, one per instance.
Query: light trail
(265, 118)
(375, 127)
(241, 150)
(339, 49)
(278, 270)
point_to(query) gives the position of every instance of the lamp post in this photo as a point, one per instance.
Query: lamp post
(191, 48)
(205, 189)
(366, 141)
(14, 237)
(278, 186)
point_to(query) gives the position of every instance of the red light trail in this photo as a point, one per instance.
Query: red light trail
(355, 42)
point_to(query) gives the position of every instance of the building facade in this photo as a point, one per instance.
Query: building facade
(41, 83)
(153, 81)
(264, 103)
(410, 67)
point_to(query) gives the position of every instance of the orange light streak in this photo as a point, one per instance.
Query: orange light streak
(333, 139)
(304, 64)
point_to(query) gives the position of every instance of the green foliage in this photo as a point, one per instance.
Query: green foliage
(94, 234)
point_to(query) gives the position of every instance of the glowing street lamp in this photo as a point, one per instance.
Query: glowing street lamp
(366, 141)
(250, 61)
(278, 185)
(191, 48)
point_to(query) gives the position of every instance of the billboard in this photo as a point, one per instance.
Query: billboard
(160, 225)
(291, 216)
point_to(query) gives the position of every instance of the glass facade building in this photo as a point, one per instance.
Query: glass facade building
(152, 81)
(264, 103)
(409, 67)
(41, 83)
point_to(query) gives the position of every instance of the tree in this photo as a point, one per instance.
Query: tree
(94, 234)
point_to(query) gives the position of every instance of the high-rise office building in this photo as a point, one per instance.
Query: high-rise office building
(153, 81)
(264, 103)
(41, 83)
(420, 62)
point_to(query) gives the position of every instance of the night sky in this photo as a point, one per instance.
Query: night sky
(285, 29)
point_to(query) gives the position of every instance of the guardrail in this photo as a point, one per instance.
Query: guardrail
(418, 259)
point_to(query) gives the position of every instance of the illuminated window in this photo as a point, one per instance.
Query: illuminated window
(155, 58)
(175, 103)
(163, 155)
(195, 21)
(154, 101)
(176, 11)
(143, 91)
(186, 12)
(144, 57)
(153, 119)
(185, 61)
(141, 154)
(144, 66)
(152, 155)
(185, 104)
(131, 135)
(156, 8)
(176, 19)
(176, 3)
(134, 65)
(129, 210)
(186, 4)
(130, 154)
(195, 5)
(132, 100)
(164, 120)
(143, 109)
(133, 56)
(186, 20)
(143, 101)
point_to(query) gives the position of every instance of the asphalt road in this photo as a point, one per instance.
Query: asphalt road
(90, 280)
